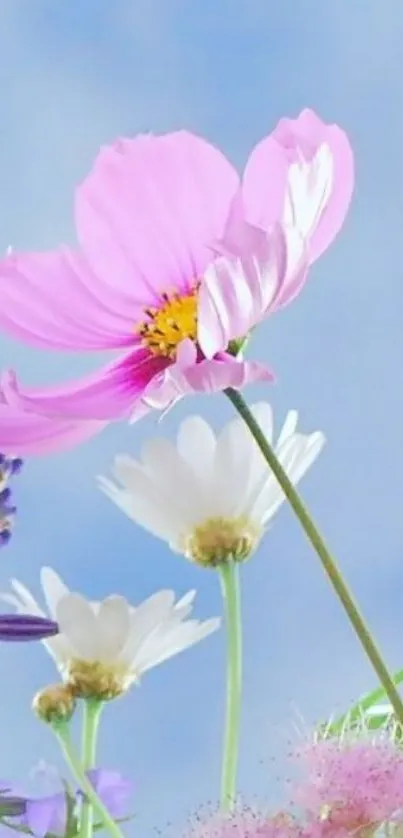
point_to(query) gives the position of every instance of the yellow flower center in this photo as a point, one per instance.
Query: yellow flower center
(170, 324)
(92, 679)
(219, 540)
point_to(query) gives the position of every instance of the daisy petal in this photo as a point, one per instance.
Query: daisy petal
(78, 624)
(113, 623)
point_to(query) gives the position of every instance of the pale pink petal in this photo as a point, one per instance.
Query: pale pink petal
(296, 272)
(235, 294)
(212, 376)
(149, 209)
(31, 434)
(208, 376)
(107, 394)
(52, 299)
(300, 140)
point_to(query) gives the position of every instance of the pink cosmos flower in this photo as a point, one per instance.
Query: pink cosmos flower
(353, 785)
(31, 433)
(178, 261)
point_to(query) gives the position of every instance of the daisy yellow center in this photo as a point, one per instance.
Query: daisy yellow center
(92, 679)
(171, 323)
(218, 540)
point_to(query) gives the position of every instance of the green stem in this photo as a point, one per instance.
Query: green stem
(230, 588)
(329, 565)
(62, 733)
(91, 717)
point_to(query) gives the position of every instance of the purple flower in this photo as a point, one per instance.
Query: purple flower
(113, 790)
(9, 466)
(56, 813)
(19, 628)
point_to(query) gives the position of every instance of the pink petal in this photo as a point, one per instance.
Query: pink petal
(208, 376)
(300, 140)
(53, 300)
(216, 375)
(106, 394)
(31, 434)
(264, 183)
(296, 272)
(235, 294)
(149, 209)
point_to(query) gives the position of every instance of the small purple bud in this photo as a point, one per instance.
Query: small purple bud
(5, 495)
(16, 465)
(5, 536)
(8, 509)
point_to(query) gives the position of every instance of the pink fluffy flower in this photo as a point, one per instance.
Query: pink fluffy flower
(353, 785)
(245, 822)
(178, 261)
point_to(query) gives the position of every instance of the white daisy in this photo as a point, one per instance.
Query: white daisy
(104, 647)
(211, 498)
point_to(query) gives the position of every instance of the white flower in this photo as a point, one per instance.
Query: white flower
(211, 497)
(103, 647)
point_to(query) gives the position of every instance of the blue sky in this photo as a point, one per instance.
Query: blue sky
(74, 76)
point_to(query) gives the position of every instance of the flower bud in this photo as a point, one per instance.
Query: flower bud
(54, 704)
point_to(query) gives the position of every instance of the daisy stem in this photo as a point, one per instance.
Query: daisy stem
(329, 565)
(91, 716)
(229, 575)
(61, 731)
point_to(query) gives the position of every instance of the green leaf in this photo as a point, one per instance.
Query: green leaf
(348, 721)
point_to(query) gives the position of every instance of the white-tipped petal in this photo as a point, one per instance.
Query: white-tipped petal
(145, 619)
(113, 626)
(78, 623)
(185, 601)
(28, 605)
(53, 588)
(196, 445)
(173, 476)
(288, 429)
(177, 641)
(146, 505)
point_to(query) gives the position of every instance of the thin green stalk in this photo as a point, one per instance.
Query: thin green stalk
(230, 587)
(329, 565)
(62, 734)
(91, 716)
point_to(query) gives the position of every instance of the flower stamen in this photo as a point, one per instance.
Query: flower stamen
(93, 679)
(219, 540)
(170, 324)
